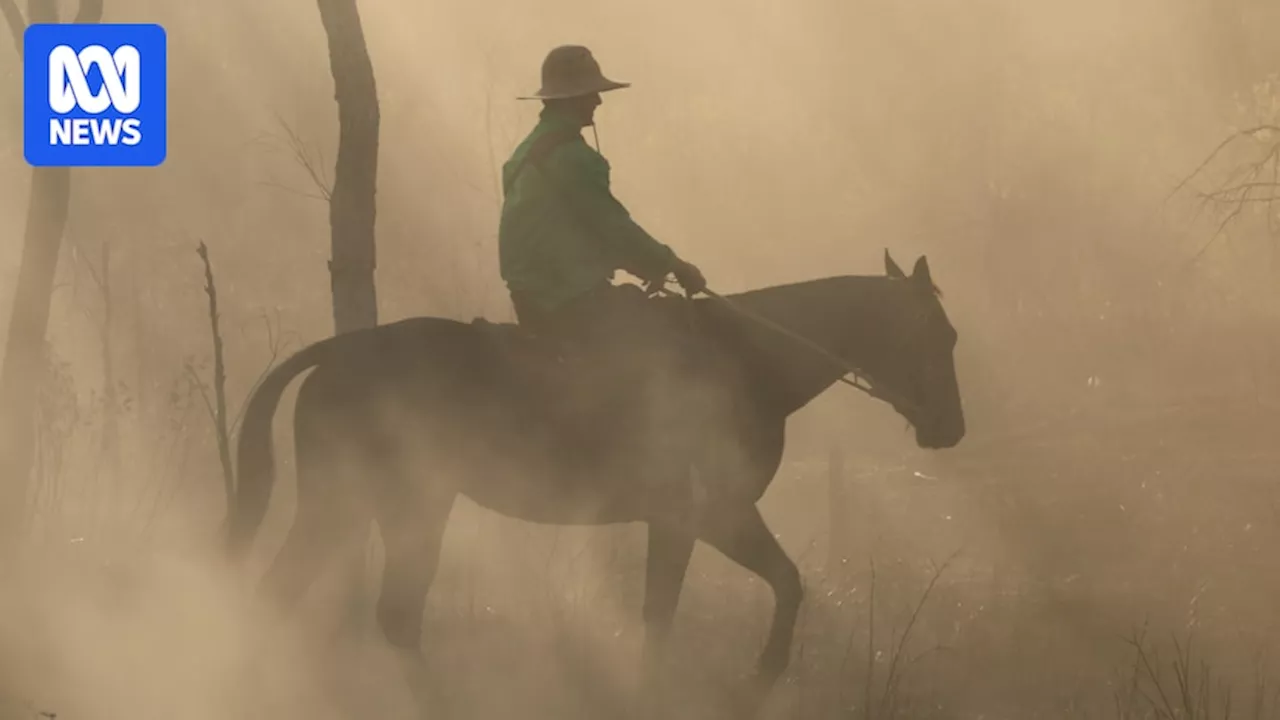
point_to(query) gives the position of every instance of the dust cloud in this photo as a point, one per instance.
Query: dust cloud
(1117, 357)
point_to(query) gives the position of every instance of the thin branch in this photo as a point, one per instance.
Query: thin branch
(893, 679)
(194, 377)
(1250, 171)
(294, 191)
(1244, 187)
(1218, 233)
(1164, 705)
(1261, 200)
(1250, 133)
(82, 258)
(219, 379)
(314, 167)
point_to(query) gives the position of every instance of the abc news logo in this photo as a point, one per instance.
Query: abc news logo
(69, 90)
(95, 95)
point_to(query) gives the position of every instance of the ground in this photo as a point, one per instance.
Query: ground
(1067, 536)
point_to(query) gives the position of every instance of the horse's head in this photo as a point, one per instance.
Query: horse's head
(916, 373)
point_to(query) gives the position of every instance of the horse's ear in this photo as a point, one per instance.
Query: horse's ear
(891, 268)
(920, 273)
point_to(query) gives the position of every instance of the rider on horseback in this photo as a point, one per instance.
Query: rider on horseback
(563, 234)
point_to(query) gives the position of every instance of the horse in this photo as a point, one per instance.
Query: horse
(396, 421)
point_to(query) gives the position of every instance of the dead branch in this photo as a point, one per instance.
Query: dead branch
(293, 191)
(1251, 133)
(1245, 186)
(1191, 695)
(894, 677)
(310, 158)
(1236, 191)
(218, 409)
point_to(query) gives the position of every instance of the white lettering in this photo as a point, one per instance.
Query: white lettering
(81, 128)
(59, 132)
(106, 133)
(69, 86)
(132, 131)
(95, 131)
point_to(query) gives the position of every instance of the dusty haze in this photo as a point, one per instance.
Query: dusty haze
(1119, 383)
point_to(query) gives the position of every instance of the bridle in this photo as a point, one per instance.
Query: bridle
(871, 389)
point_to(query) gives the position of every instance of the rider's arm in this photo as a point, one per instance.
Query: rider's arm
(584, 175)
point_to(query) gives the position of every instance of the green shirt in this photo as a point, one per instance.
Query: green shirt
(562, 231)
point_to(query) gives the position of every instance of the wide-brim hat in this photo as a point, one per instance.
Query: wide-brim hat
(572, 71)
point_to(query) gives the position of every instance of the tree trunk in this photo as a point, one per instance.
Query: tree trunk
(352, 204)
(352, 201)
(22, 371)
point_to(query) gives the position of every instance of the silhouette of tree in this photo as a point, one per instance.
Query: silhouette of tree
(352, 198)
(22, 370)
(352, 203)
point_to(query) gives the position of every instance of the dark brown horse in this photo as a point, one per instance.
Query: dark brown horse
(397, 421)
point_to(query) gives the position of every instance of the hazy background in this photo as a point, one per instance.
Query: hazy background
(1119, 384)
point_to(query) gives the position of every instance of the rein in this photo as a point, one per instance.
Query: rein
(834, 359)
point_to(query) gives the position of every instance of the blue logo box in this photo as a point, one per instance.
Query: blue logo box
(95, 95)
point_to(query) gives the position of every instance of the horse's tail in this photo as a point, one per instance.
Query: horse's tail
(255, 462)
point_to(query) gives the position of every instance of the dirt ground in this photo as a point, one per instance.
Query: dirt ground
(1065, 542)
(1064, 537)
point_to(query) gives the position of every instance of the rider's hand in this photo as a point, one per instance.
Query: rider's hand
(689, 277)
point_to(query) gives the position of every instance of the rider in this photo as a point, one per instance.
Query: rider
(562, 233)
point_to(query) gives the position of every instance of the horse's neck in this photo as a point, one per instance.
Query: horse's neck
(837, 314)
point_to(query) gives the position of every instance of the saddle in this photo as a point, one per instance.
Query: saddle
(515, 341)
(564, 381)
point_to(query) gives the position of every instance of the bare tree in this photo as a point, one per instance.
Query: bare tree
(352, 199)
(22, 371)
(352, 203)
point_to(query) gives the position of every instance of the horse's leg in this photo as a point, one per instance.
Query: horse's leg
(667, 560)
(412, 523)
(740, 533)
(330, 516)
(412, 516)
(666, 563)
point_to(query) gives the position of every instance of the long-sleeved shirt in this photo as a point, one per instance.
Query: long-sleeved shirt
(562, 231)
